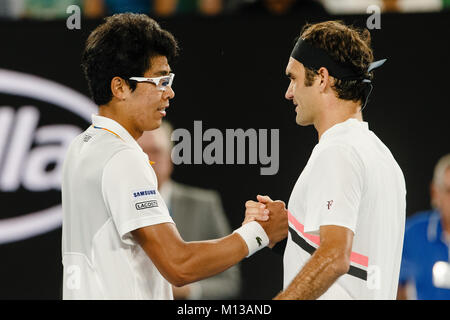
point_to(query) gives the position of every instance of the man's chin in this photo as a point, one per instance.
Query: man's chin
(154, 125)
(302, 122)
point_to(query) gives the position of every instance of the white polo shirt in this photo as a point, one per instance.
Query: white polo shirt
(350, 180)
(109, 189)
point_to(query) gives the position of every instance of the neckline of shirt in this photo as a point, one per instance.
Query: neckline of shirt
(115, 127)
(341, 125)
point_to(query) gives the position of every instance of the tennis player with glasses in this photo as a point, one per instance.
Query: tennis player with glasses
(118, 239)
(160, 82)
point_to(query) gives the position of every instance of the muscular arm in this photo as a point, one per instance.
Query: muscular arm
(326, 265)
(183, 262)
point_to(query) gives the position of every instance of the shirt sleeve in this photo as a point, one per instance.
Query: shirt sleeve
(130, 191)
(334, 193)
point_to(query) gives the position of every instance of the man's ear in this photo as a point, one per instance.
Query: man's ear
(120, 88)
(324, 78)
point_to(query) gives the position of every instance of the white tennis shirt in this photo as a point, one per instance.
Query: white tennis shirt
(350, 180)
(109, 189)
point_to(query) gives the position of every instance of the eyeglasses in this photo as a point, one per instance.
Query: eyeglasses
(161, 82)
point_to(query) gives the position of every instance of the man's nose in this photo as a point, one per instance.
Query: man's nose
(288, 95)
(169, 93)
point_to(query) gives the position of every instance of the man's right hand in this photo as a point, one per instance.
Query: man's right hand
(271, 215)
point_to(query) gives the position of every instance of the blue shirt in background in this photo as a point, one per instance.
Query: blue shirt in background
(424, 245)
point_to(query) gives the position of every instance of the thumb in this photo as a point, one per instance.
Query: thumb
(263, 199)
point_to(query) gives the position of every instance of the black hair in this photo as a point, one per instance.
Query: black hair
(122, 46)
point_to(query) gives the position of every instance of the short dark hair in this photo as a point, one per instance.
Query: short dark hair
(122, 46)
(345, 44)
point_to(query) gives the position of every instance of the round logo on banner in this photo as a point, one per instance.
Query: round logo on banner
(39, 119)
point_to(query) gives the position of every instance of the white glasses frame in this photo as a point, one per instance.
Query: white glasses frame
(156, 80)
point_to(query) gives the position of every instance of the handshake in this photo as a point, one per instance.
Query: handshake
(271, 215)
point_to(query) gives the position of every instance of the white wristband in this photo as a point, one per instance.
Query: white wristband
(254, 236)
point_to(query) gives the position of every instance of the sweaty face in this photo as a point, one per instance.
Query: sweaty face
(302, 96)
(147, 104)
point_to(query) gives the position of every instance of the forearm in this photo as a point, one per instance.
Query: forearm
(317, 275)
(183, 262)
(201, 259)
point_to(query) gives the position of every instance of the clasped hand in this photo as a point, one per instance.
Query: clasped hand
(272, 215)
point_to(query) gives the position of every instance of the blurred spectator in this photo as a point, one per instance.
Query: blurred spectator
(175, 7)
(38, 9)
(446, 4)
(165, 8)
(101, 8)
(349, 6)
(210, 7)
(280, 7)
(390, 6)
(160, 8)
(360, 6)
(427, 240)
(419, 5)
(11, 8)
(54, 9)
(198, 214)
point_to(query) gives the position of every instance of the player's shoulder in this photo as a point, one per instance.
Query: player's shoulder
(99, 141)
(126, 155)
(77, 141)
(334, 149)
(351, 133)
(112, 151)
(110, 142)
(345, 143)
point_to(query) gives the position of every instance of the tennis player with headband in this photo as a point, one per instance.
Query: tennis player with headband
(347, 208)
(118, 239)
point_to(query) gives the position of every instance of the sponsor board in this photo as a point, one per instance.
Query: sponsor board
(38, 120)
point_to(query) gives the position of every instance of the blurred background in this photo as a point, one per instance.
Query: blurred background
(230, 75)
